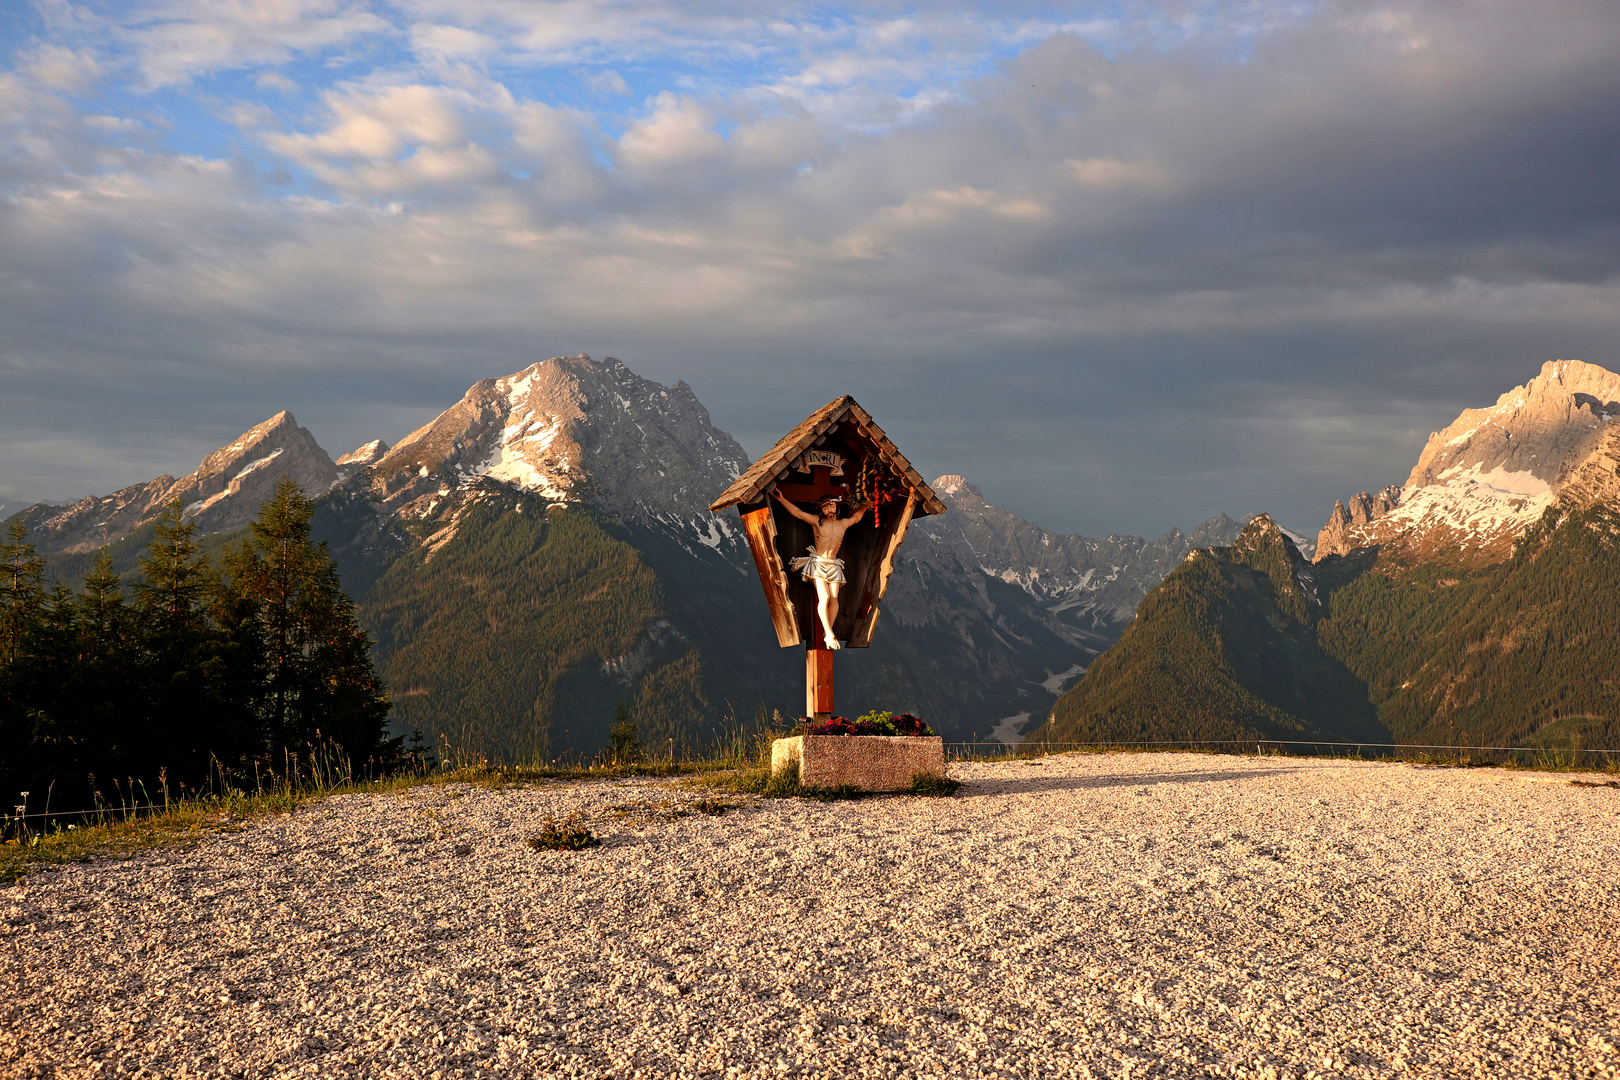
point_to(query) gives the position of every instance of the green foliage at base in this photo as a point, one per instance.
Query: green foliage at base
(928, 784)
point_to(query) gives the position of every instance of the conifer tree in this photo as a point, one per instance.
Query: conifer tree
(175, 582)
(186, 694)
(104, 616)
(108, 677)
(318, 682)
(21, 597)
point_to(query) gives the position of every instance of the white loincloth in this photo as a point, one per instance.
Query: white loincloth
(819, 566)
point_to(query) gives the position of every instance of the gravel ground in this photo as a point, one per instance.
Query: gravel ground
(1108, 915)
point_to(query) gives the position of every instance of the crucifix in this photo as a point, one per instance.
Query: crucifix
(840, 454)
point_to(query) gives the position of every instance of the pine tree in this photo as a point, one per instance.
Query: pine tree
(175, 582)
(21, 597)
(109, 704)
(103, 614)
(318, 682)
(187, 694)
(21, 609)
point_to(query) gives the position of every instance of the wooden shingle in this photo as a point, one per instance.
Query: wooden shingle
(752, 485)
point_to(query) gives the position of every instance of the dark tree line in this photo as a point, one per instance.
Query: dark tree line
(189, 665)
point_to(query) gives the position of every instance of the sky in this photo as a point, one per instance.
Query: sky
(1122, 265)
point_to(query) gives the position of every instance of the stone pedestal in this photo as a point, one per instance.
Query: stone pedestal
(868, 762)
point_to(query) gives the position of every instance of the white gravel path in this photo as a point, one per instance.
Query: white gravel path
(1108, 915)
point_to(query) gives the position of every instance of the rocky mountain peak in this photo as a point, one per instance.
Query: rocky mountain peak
(361, 457)
(1528, 437)
(573, 429)
(227, 489)
(1219, 529)
(1266, 547)
(1263, 534)
(1335, 537)
(1482, 481)
(224, 493)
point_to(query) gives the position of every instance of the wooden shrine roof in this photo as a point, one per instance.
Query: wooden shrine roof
(750, 486)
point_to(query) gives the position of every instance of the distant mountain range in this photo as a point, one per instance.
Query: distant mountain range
(1478, 604)
(542, 551)
(223, 494)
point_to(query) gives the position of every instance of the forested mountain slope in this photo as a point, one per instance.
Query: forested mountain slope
(1456, 618)
(1224, 648)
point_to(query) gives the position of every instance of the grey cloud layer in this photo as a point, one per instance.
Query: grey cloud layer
(1121, 291)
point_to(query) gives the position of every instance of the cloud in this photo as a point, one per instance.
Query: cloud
(1123, 274)
(177, 41)
(370, 124)
(678, 130)
(274, 80)
(59, 68)
(1113, 173)
(607, 82)
(439, 43)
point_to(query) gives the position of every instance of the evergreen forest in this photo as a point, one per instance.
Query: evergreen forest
(1251, 641)
(200, 664)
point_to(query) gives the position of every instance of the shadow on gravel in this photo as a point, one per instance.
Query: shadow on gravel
(977, 788)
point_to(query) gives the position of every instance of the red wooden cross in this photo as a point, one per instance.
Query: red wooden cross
(820, 486)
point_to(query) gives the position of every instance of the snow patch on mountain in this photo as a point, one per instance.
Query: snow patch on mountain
(574, 430)
(1482, 482)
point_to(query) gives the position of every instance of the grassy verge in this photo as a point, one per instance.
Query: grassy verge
(122, 832)
(743, 770)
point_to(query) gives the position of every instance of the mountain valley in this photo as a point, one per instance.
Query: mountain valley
(541, 552)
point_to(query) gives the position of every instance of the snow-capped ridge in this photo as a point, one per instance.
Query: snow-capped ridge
(1091, 585)
(574, 430)
(1485, 479)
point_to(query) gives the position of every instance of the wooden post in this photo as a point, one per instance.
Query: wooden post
(818, 682)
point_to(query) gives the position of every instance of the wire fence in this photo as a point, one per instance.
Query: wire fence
(322, 770)
(1538, 757)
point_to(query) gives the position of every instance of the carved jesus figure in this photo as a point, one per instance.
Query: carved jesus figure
(822, 566)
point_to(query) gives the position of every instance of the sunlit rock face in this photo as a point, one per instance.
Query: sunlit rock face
(1484, 480)
(224, 493)
(572, 430)
(361, 457)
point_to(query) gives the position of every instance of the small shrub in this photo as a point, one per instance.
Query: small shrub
(931, 785)
(624, 743)
(569, 834)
